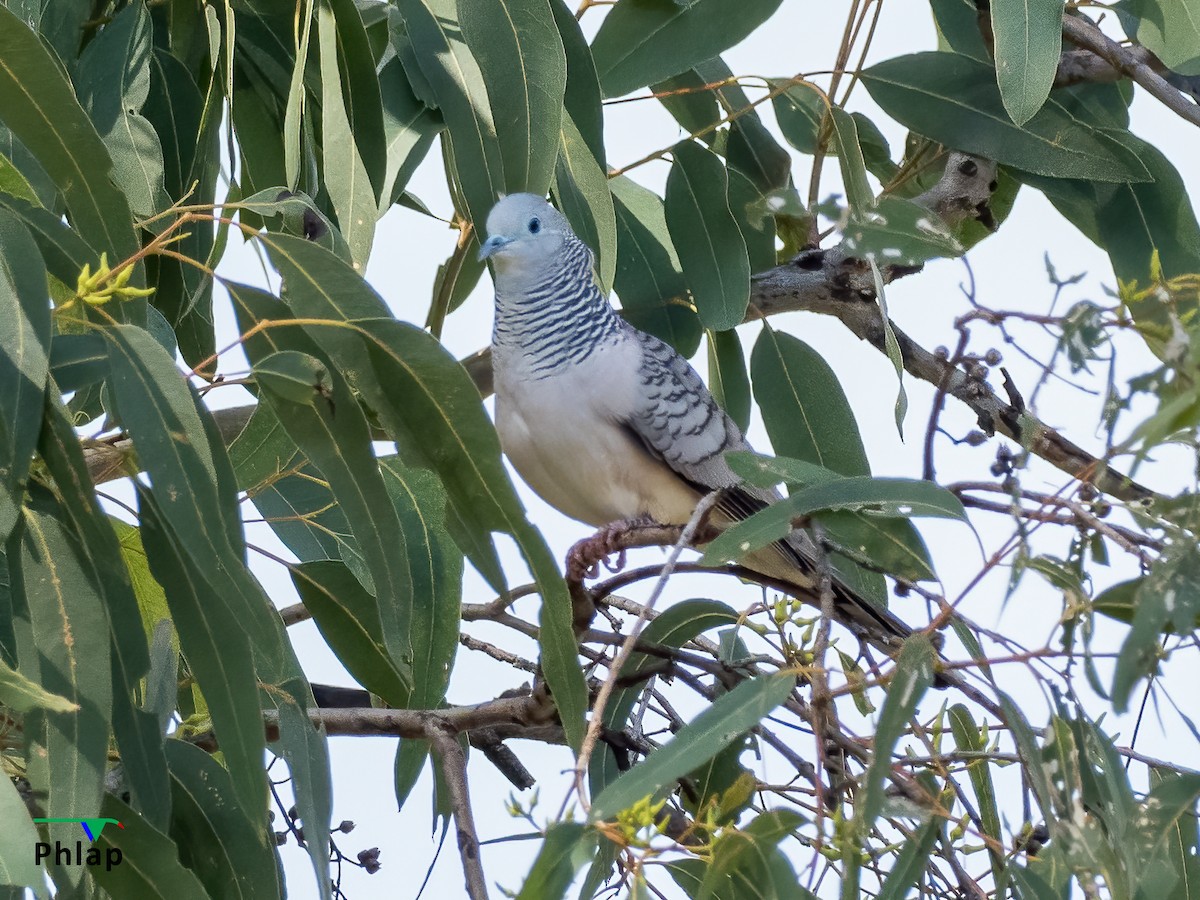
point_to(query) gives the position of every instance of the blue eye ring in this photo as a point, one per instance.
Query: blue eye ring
(535, 225)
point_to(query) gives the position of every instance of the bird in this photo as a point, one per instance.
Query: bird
(611, 425)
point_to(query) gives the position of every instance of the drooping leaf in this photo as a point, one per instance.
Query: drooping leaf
(40, 108)
(231, 857)
(706, 236)
(649, 277)
(727, 375)
(1028, 43)
(566, 848)
(641, 43)
(581, 189)
(955, 100)
(113, 81)
(457, 84)
(913, 676)
(24, 360)
(322, 416)
(730, 715)
(63, 645)
(346, 177)
(219, 656)
(150, 865)
(17, 867)
(523, 63)
(582, 97)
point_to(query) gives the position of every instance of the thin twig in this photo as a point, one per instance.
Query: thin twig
(597, 716)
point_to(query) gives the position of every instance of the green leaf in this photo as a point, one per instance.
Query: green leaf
(566, 848)
(150, 865)
(910, 862)
(1170, 29)
(640, 43)
(524, 66)
(1028, 43)
(16, 838)
(40, 108)
(954, 100)
(854, 167)
(730, 716)
(706, 236)
(758, 230)
(346, 178)
(727, 375)
(582, 97)
(1169, 594)
(581, 190)
(322, 416)
(899, 232)
(363, 90)
(804, 407)
(219, 655)
(436, 564)
(457, 84)
(14, 183)
(228, 853)
(799, 110)
(649, 277)
(860, 493)
(893, 545)
(968, 738)
(677, 625)
(113, 81)
(743, 860)
(24, 361)
(19, 693)
(138, 736)
(409, 129)
(63, 645)
(61, 246)
(1131, 222)
(348, 619)
(912, 678)
(957, 24)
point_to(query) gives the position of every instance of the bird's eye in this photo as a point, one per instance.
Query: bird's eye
(535, 225)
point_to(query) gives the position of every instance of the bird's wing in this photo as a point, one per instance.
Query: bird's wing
(678, 421)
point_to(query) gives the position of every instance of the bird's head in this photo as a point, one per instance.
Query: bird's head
(524, 233)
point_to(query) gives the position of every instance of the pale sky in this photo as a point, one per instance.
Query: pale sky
(1010, 274)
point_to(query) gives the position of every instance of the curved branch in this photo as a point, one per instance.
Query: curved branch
(1131, 63)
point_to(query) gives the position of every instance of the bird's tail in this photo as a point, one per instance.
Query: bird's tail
(792, 562)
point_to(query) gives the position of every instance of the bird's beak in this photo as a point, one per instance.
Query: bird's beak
(492, 246)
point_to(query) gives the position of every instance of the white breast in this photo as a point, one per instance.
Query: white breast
(563, 435)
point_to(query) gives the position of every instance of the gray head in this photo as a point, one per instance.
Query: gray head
(524, 234)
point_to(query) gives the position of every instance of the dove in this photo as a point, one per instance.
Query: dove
(609, 424)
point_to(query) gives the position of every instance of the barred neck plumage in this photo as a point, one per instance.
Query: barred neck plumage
(558, 318)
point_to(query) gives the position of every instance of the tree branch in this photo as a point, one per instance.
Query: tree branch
(453, 763)
(1130, 63)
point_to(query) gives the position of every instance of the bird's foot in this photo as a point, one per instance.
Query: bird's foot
(584, 559)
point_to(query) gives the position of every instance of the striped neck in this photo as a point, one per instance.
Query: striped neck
(555, 318)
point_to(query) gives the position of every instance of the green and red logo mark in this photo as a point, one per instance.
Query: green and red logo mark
(91, 827)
